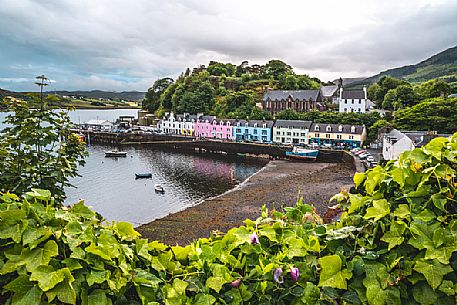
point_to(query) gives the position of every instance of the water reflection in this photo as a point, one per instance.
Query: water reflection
(109, 185)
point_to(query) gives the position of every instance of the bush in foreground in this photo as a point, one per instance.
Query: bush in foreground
(395, 243)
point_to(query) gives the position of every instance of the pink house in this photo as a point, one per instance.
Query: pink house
(211, 128)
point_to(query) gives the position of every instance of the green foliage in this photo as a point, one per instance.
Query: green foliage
(395, 244)
(37, 149)
(438, 114)
(433, 88)
(152, 99)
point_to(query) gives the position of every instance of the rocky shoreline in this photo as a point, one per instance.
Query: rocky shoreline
(277, 185)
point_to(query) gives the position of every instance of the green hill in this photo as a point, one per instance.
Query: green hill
(442, 65)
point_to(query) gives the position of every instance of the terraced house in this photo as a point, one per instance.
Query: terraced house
(275, 101)
(252, 130)
(337, 135)
(291, 131)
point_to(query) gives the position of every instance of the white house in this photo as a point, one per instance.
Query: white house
(396, 142)
(169, 124)
(98, 125)
(353, 100)
(291, 131)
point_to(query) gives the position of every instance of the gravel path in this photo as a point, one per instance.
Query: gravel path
(276, 185)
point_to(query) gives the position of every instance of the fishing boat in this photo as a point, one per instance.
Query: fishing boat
(143, 175)
(159, 189)
(115, 153)
(301, 153)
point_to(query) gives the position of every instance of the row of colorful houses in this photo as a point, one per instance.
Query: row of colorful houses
(263, 131)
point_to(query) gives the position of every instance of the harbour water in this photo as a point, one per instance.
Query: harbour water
(108, 185)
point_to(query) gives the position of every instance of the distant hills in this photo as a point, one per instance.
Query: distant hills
(21, 95)
(442, 65)
(97, 94)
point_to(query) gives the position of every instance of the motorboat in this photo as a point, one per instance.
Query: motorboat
(159, 189)
(143, 175)
(115, 153)
(301, 153)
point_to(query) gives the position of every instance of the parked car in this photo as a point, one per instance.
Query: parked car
(370, 158)
(363, 156)
(360, 152)
(354, 150)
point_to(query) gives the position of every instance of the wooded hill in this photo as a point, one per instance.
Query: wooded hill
(442, 65)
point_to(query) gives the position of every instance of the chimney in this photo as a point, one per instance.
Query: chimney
(365, 91)
(341, 93)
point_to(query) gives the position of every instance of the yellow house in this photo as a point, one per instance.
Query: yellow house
(337, 135)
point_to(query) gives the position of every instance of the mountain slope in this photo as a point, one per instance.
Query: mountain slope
(442, 65)
(125, 95)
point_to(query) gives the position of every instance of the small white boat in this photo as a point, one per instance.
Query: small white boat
(159, 189)
(115, 153)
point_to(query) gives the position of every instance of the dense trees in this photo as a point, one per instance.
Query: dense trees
(152, 99)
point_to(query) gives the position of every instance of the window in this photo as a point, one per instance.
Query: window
(264, 132)
(255, 125)
(278, 133)
(351, 137)
(246, 124)
(329, 128)
(264, 126)
(340, 128)
(238, 130)
(327, 136)
(345, 110)
(316, 128)
(255, 131)
(303, 134)
(338, 136)
(317, 135)
(360, 101)
(352, 128)
(289, 133)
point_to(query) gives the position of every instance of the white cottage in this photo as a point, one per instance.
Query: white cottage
(353, 100)
(291, 131)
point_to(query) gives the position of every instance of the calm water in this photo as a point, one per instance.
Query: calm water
(109, 185)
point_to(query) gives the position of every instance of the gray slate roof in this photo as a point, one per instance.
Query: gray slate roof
(335, 128)
(353, 94)
(277, 95)
(251, 123)
(328, 91)
(293, 124)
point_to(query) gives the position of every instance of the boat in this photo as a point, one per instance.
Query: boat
(159, 189)
(301, 153)
(115, 153)
(143, 175)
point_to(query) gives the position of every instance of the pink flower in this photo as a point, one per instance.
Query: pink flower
(277, 276)
(254, 239)
(294, 273)
(236, 283)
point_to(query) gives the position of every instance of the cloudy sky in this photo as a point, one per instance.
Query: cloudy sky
(127, 44)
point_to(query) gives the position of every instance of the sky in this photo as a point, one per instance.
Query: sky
(123, 45)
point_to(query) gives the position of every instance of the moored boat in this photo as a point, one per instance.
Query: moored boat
(300, 153)
(115, 153)
(143, 175)
(158, 188)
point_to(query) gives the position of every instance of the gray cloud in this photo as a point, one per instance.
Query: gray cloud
(120, 45)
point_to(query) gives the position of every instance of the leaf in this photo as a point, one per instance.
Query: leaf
(423, 294)
(379, 209)
(31, 296)
(21, 284)
(215, 283)
(204, 299)
(64, 291)
(98, 297)
(125, 230)
(433, 271)
(394, 236)
(402, 211)
(358, 178)
(46, 277)
(357, 201)
(331, 274)
(439, 201)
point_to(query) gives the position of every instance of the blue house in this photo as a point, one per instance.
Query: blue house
(252, 130)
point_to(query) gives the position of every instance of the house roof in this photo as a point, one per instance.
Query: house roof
(328, 91)
(251, 123)
(353, 94)
(419, 138)
(335, 128)
(293, 124)
(300, 95)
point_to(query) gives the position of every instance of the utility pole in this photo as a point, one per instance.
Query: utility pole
(42, 81)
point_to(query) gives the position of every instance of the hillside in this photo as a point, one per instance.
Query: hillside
(97, 94)
(5, 93)
(442, 65)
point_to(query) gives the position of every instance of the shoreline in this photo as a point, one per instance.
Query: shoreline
(276, 185)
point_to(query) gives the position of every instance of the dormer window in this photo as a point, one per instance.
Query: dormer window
(352, 128)
(246, 124)
(214, 122)
(255, 125)
(264, 126)
(329, 128)
(228, 123)
(238, 124)
(340, 128)
(316, 128)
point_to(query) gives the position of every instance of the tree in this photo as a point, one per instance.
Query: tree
(37, 150)
(433, 88)
(276, 68)
(288, 114)
(152, 99)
